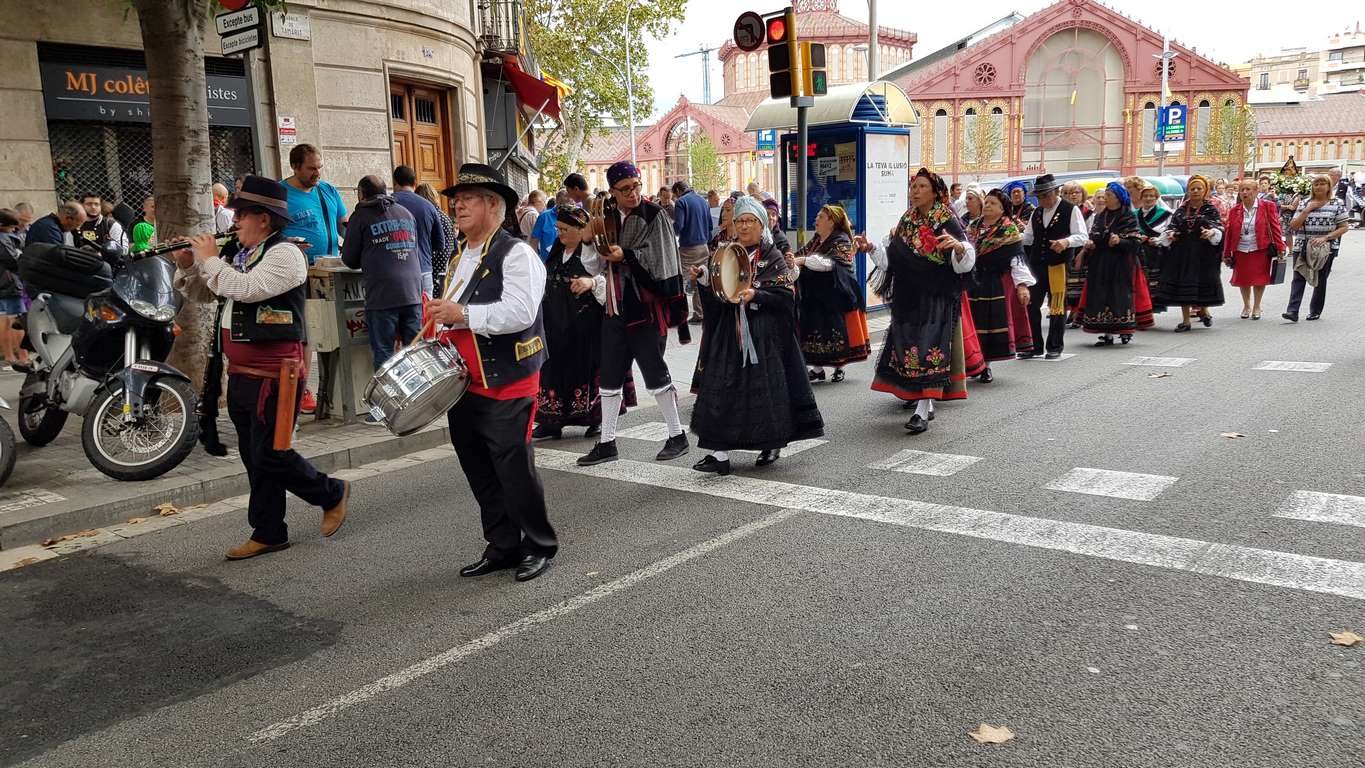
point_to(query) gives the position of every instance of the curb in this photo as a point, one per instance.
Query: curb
(81, 512)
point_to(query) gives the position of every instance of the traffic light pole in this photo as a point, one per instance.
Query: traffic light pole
(802, 105)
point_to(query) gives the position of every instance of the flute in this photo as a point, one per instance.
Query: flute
(162, 250)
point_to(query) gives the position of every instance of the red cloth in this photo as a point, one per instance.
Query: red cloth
(1268, 229)
(971, 345)
(463, 338)
(266, 355)
(1020, 329)
(1142, 299)
(1251, 268)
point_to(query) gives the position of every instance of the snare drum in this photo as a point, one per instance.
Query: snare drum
(730, 272)
(417, 385)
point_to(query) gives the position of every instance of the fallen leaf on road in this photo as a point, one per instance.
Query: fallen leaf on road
(70, 537)
(1161, 375)
(593, 573)
(1347, 638)
(1232, 435)
(991, 734)
(166, 509)
(136, 520)
(26, 561)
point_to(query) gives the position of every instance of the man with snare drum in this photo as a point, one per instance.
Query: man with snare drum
(489, 308)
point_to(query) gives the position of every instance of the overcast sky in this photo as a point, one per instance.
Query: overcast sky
(1224, 31)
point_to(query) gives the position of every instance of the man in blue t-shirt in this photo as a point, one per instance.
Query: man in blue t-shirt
(316, 207)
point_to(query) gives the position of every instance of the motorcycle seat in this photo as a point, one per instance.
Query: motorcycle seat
(67, 311)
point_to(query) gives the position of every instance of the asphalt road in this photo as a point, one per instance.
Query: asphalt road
(834, 609)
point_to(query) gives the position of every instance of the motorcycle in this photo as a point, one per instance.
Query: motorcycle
(6, 446)
(101, 354)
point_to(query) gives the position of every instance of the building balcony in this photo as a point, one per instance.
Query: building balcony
(1301, 84)
(502, 26)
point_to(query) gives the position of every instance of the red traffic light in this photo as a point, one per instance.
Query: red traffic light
(777, 30)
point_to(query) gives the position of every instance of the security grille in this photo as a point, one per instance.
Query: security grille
(115, 161)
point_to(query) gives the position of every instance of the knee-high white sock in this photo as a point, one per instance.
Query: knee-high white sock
(667, 399)
(923, 407)
(611, 414)
(720, 455)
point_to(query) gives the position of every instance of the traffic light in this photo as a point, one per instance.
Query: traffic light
(813, 78)
(783, 54)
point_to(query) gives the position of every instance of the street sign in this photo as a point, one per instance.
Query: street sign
(236, 21)
(749, 31)
(767, 139)
(1170, 127)
(242, 41)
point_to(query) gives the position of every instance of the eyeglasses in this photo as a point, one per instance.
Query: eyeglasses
(628, 189)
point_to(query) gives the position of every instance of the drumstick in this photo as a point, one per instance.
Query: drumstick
(431, 321)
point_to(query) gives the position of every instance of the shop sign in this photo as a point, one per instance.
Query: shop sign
(123, 95)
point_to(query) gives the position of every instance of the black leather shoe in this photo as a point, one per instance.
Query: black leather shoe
(986, 376)
(917, 425)
(675, 446)
(545, 432)
(838, 375)
(1052, 356)
(600, 453)
(532, 566)
(1207, 320)
(816, 375)
(1026, 355)
(1292, 317)
(768, 457)
(710, 464)
(1314, 316)
(486, 566)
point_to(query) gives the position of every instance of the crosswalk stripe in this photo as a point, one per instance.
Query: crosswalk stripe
(1042, 359)
(657, 432)
(1256, 566)
(1111, 483)
(1162, 362)
(1290, 365)
(922, 463)
(1324, 508)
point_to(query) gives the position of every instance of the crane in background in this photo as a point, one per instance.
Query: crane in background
(705, 54)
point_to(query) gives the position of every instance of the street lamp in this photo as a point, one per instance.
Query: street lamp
(871, 40)
(625, 75)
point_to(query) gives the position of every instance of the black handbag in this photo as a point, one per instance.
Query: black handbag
(1277, 270)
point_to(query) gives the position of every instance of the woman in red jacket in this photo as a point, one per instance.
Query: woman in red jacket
(1253, 231)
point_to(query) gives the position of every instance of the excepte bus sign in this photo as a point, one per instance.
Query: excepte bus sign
(123, 95)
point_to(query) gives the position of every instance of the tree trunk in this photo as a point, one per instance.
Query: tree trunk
(173, 39)
(573, 146)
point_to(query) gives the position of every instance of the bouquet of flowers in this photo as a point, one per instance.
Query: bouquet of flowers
(1300, 184)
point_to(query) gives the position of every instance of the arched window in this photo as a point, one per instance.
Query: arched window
(1148, 130)
(854, 63)
(1205, 118)
(1357, 154)
(998, 116)
(750, 66)
(835, 59)
(739, 72)
(1073, 103)
(941, 139)
(1331, 151)
(1317, 151)
(1279, 152)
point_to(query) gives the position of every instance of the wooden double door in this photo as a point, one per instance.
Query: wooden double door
(421, 117)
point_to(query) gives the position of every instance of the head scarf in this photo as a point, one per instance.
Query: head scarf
(759, 211)
(1121, 193)
(939, 186)
(571, 215)
(621, 170)
(773, 206)
(975, 189)
(1009, 188)
(1208, 186)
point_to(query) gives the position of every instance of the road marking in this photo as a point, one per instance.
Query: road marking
(1227, 561)
(922, 463)
(1324, 508)
(460, 652)
(657, 432)
(32, 497)
(878, 324)
(1289, 365)
(1162, 362)
(1043, 358)
(1107, 482)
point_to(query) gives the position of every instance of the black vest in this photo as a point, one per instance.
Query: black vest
(509, 357)
(278, 318)
(1045, 232)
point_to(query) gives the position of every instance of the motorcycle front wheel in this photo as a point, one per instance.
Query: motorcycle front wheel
(6, 451)
(152, 444)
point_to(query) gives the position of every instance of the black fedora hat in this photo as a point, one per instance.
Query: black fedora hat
(1045, 183)
(261, 192)
(480, 176)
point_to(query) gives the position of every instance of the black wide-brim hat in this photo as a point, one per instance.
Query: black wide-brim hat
(262, 192)
(480, 176)
(1045, 183)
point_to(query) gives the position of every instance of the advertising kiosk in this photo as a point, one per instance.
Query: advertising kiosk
(858, 156)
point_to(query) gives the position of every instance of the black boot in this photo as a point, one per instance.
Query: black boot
(600, 453)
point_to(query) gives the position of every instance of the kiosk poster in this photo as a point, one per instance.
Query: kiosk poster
(886, 178)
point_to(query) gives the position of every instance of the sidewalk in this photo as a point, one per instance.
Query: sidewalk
(55, 490)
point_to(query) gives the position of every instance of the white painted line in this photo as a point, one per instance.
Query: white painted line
(1043, 359)
(1289, 365)
(1107, 482)
(1257, 566)
(33, 497)
(1324, 508)
(921, 463)
(653, 431)
(800, 446)
(1162, 362)
(508, 631)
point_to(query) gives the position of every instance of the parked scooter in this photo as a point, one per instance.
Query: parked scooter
(100, 346)
(6, 446)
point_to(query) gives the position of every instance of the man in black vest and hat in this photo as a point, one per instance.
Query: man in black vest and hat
(489, 307)
(262, 330)
(1054, 234)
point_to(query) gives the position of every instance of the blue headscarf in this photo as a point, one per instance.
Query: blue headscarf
(1009, 188)
(1120, 192)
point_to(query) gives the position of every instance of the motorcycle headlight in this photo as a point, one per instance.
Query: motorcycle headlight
(153, 312)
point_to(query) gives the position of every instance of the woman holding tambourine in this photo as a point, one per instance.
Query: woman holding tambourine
(752, 390)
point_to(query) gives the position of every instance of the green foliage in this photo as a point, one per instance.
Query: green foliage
(983, 140)
(1230, 141)
(708, 168)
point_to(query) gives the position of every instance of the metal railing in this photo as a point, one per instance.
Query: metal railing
(502, 26)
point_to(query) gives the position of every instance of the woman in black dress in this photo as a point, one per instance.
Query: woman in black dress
(1001, 278)
(1191, 272)
(573, 331)
(829, 300)
(751, 384)
(1108, 302)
